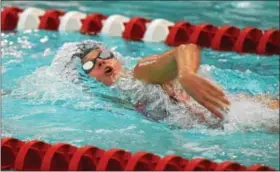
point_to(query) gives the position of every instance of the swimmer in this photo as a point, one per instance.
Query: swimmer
(181, 64)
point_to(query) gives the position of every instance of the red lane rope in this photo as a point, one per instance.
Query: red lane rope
(38, 155)
(222, 38)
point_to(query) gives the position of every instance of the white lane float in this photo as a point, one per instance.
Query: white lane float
(71, 21)
(157, 30)
(114, 25)
(29, 19)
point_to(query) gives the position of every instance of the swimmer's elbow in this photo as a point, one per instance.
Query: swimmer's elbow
(189, 46)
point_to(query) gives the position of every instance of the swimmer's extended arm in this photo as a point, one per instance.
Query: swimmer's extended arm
(158, 69)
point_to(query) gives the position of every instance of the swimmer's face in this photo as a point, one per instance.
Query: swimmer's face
(105, 70)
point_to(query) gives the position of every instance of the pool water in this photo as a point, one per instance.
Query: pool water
(36, 104)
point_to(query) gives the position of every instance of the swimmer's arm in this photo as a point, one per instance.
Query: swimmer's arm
(188, 59)
(158, 69)
(182, 63)
(202, 90)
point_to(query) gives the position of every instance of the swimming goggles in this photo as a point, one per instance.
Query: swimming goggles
(89, 65)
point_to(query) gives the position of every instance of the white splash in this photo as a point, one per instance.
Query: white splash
(55, 83)
(250, 114)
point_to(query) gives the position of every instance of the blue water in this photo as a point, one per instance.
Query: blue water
(36, 105)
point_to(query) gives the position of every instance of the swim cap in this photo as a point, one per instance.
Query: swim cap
(85, 47)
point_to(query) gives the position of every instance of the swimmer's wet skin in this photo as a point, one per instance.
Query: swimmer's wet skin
(180, 63)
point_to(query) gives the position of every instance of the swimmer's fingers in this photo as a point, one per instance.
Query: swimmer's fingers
(216, 92)
(210, 103)
(212, 108)
(215, 101)
(220, 99)
(205, 93)
(224, 100)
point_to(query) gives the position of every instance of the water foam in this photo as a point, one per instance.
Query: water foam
(250, 114)
(57, 83)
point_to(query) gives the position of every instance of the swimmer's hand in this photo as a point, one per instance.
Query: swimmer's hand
(205, 93)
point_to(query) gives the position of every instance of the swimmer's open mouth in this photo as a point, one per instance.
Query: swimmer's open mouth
(108, 71)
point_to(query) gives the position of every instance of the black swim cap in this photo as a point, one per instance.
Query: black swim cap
(86, 47)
